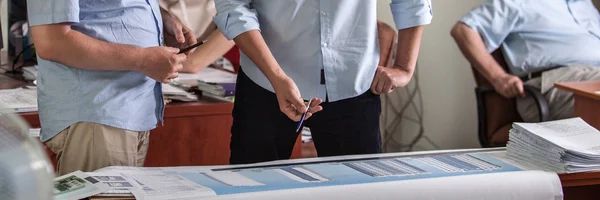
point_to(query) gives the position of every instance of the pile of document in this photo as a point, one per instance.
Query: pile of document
(569, 145)
(218, 84)
(18, 100)
(30, 73)
(211, 82)
(174, 92)
(225, 91)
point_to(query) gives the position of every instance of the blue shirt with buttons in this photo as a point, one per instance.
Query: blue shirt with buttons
(307, 36)
(539, 34)
(124, 99)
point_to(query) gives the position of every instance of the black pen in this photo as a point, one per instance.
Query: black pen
(192, 47)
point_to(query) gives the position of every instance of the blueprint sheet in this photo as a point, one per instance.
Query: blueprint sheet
(352, 176)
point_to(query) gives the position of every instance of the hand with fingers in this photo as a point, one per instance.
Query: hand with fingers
(176, 34)
(290, 101)
(389, 78)
(162, 63)
(509, 86)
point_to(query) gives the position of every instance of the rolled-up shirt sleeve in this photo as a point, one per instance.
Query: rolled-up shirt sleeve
(235, 17)
(411, 13)
(494, 20)
(42, 12)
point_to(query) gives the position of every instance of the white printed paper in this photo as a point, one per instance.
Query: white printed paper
(569, 145)
(209, 75)
(77, 185)
(167, 187)
(471, 174)
(34, 132)
(19, 100)
(117, 183)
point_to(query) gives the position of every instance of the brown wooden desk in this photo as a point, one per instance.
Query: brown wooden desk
(194, 133)
(587, 106)
(587, 100)
(581, 186)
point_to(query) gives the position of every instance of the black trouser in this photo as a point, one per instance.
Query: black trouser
(261, 132)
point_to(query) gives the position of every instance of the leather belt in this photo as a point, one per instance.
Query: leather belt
(532, 75)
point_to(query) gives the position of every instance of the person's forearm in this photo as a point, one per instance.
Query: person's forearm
(409, 43)
(216, 46)
(471, 45)
(254, 46)
(386, 38)
(165, 13)
(77, 50)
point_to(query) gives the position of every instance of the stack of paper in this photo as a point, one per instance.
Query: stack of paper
(176, 93)
(30, 72)
(569, 145)
(222, 90)
(218, 84)
(19, 100)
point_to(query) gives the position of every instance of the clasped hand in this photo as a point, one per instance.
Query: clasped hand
(508, 86)
(388, 78)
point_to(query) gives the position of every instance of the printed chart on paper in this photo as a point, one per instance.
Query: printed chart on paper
(351, 171)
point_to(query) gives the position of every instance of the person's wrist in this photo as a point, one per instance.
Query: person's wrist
(276, 76)
(498, 77)
(277, 79)
(141, 58)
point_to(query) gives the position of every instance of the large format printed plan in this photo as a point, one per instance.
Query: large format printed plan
(349, 171)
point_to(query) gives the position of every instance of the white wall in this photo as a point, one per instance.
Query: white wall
(446, 80)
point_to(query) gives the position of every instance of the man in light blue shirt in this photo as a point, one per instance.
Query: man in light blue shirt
(324, 50)
(100, 68)
(534, 36)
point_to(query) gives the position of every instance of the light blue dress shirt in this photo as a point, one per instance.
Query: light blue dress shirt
(539, 34)
(124, 99)
(305, 36)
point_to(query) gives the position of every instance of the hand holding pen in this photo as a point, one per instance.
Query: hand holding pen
(312, 106)
(187, 49)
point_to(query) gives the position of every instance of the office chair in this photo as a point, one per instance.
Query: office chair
(495, 114)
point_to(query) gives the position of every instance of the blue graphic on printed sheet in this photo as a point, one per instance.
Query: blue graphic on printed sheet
(350, 172)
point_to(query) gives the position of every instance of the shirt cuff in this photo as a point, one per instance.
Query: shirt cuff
(233, 24)
(411, 14)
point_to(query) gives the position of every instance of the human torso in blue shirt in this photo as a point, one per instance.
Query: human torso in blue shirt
(536, 35)
(307, 36)
(124, 99)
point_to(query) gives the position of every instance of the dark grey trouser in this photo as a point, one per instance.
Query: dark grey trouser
(561, 102)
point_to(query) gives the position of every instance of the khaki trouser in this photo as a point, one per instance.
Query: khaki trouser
(89, 146)
(560, 102)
